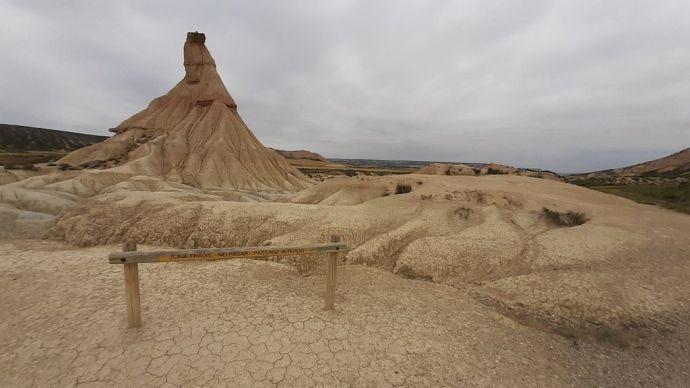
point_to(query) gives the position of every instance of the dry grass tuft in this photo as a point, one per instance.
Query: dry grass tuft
(568, 219)
(402, 188)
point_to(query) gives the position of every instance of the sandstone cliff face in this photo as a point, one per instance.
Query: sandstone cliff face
(194, 135)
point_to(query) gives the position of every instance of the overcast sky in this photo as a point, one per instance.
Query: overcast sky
(564, 85)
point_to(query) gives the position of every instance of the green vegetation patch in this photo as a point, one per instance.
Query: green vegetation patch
(678, 172)
(671, 196)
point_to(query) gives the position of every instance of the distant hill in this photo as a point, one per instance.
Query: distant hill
(18, 138)
(662, 182)
(397, 164)
(22, 147)
(675, 167)
(301, 154)
(675, 164)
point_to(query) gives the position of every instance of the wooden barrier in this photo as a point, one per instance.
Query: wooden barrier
(132, 288)
(331, 276)
(130, 259)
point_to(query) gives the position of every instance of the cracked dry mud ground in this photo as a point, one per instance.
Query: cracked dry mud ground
(251, 323)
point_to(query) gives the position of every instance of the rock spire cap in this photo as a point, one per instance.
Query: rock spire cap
(196, 37)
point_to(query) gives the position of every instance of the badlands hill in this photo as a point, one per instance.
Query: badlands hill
(20, 138)
(675, 164)
(614, 288)
(193, 135)
(663, 182)
(622, 271)
(674, 167)
(301, 154)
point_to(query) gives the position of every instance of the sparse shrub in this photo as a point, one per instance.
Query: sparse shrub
(64, 166)
(93, 164)
(475, 195)
(591, 182)
(569, 218)
(493, 171)
(27, 167)
(512, 202)
(420, 182)
(463, 212)
(402, 188)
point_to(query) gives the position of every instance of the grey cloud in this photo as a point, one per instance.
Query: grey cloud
(564, 85)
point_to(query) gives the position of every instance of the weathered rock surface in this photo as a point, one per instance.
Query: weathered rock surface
(488, 231)
(249, 323)
(195, 136)
(487, 169)
(447, 169)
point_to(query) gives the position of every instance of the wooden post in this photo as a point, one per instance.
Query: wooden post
(331, 276)
(132, 288)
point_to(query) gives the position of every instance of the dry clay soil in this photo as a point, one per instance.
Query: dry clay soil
(459, 282)
(252, 323)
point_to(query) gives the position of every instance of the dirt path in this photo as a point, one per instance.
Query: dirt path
(248, 323)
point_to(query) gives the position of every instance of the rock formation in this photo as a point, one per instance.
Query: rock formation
(488, 169)
(495, 169)
(193, 135)
(447, 169)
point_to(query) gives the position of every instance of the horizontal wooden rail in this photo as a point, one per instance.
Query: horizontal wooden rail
(223, 253)
(131, 259)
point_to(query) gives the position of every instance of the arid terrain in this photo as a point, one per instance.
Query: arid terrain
(490, 288)
(242, 323)
(456, 275)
